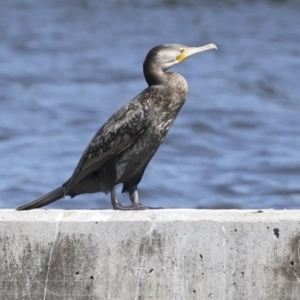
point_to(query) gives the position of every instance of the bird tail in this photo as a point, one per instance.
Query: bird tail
(44, 200)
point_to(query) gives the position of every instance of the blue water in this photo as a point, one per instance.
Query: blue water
(66, 66)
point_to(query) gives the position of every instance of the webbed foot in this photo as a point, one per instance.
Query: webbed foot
(135, 204)
(134, 207)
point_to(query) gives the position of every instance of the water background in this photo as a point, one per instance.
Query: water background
(66, 66)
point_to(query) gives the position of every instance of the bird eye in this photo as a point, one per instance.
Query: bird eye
(181, 50)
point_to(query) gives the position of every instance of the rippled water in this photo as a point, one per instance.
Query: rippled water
(65, 67)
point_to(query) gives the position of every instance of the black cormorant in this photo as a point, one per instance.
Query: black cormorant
(122, 148)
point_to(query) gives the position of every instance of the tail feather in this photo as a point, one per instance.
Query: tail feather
(44, 200)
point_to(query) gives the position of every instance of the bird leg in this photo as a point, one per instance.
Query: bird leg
(114, 199)
(134, 197)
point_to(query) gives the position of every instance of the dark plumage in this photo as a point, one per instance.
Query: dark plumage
(122, 148)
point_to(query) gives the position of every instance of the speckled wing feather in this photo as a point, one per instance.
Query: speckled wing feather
(115, 136)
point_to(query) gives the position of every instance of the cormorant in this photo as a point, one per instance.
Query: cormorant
(122, 148)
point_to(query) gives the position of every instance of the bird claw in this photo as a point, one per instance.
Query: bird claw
(135, 207)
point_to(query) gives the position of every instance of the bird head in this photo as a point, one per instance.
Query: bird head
(167, 55)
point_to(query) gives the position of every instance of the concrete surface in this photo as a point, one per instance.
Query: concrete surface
(164, 254)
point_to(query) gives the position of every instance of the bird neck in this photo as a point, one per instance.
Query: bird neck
(154, 75)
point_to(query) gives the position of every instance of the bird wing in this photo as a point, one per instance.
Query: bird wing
(115, 136)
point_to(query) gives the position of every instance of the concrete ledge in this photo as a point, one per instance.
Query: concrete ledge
(167, 254)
